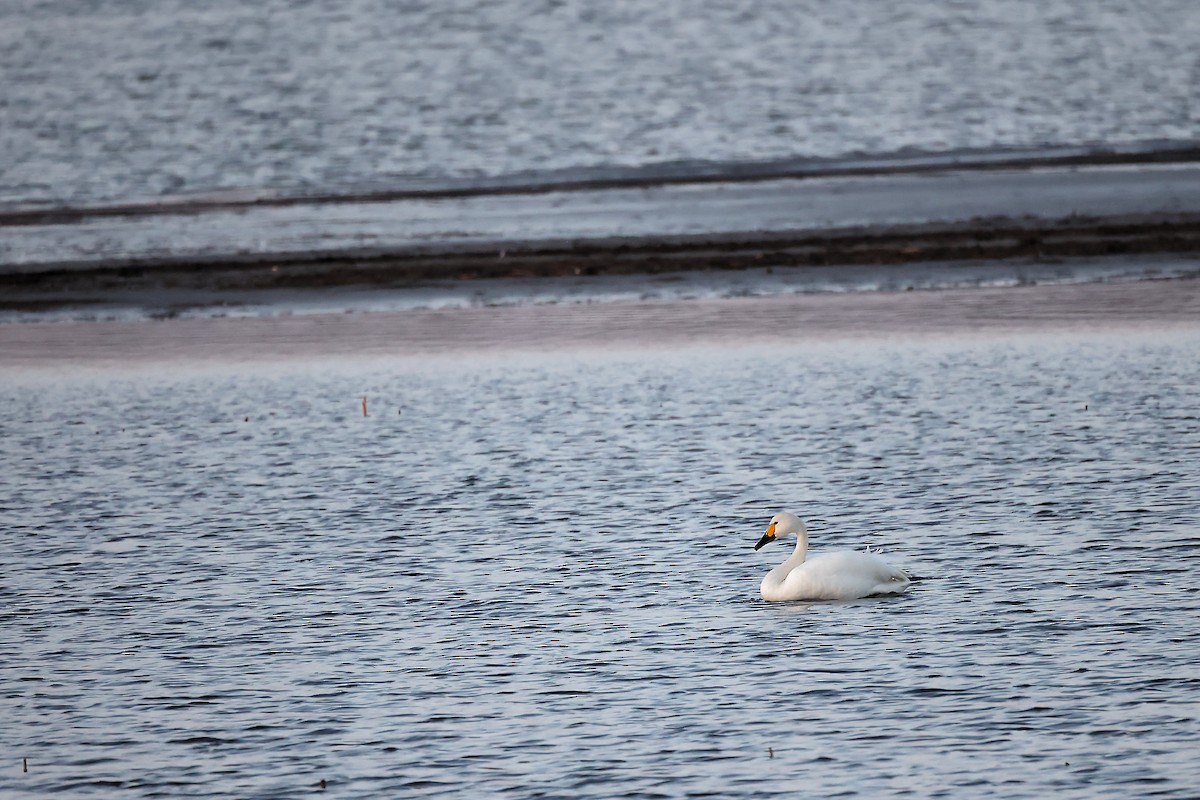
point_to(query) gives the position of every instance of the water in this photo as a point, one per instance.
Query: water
(530, 575)
(106, 102)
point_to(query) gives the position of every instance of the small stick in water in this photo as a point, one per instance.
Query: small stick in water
(24, 765)
(364, 406)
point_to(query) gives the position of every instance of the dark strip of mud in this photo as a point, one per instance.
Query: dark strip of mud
(977, 240)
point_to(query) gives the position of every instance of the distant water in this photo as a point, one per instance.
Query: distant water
(532, 576)
(105, 102)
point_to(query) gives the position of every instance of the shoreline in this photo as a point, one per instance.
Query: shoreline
(178, 260)
(313, 232)
(164, 286)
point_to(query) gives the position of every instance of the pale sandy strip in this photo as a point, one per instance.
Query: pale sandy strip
(1164, 304)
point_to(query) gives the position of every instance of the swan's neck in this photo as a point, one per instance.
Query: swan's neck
(777, 576)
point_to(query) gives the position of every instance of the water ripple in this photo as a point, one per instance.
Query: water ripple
(538, 580)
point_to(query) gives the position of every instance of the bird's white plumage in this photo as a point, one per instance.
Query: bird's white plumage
(830, 576)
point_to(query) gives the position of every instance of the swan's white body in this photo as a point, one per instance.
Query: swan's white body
(831, 576)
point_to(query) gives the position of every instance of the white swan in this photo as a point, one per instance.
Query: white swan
(830, 576)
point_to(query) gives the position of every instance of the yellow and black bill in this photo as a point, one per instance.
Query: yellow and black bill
(767, 537)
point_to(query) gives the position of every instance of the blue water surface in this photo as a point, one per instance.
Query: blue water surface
(531, 575)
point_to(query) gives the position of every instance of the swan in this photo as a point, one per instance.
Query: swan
(829, 576)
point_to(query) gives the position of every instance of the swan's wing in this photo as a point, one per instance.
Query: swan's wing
(845, 576)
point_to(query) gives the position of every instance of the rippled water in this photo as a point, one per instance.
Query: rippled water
(532, 575)
(105, 101)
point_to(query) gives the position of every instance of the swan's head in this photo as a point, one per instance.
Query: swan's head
(781, 524)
